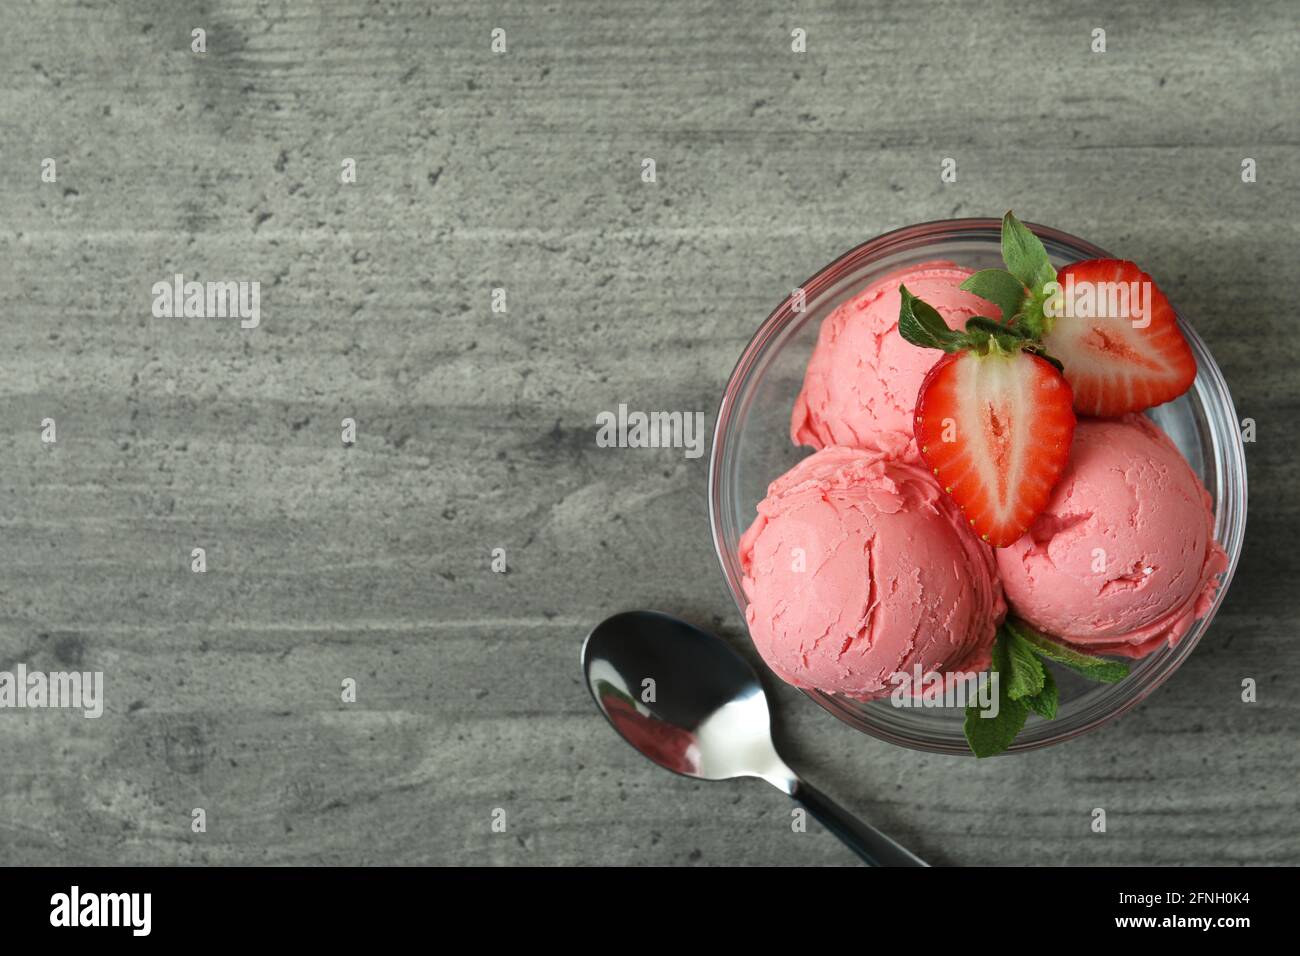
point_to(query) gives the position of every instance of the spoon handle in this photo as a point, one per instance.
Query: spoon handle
(866, 841)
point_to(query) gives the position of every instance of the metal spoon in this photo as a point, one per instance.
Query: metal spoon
(691, 704)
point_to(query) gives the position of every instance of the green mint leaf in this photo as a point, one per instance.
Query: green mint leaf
(1025, 256)
(989, 736)
(1044, 702)
(992, 735)
(999, 287)
(1093, 668)
(1027, 675)
(920, 324)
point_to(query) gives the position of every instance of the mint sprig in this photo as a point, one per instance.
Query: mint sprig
(992, 735)
(1025, 685)
(1026, 672)
(1094, 668)
(1044, 702)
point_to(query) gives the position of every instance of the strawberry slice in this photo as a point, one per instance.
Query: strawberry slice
(1118, 338)
(994, 419)
(996, 430)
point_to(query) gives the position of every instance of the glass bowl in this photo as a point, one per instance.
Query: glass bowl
(751, 447)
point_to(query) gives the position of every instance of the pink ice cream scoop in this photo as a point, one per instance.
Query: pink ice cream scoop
(862, 380)
(857, 568)
(1123, 559)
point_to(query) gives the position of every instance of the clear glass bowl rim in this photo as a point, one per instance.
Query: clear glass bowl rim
(1210, 387)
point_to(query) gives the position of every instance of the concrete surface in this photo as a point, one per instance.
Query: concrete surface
(476, 429)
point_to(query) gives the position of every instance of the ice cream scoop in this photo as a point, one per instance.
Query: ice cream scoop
(857, 568)
(860, 386)
(1123, 559)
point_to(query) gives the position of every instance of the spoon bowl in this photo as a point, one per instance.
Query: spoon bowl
(682, 697)
(694, 706)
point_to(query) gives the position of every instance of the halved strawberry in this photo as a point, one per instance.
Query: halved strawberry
(994, 419)
(1132, 357)
(996, 430)
(1105, 319)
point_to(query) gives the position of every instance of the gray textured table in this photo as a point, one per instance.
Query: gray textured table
(476, 429)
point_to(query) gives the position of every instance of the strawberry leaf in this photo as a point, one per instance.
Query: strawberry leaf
(922, 325)
(988, 335)
(979, 323)
(999, 287)
(1025, 256)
